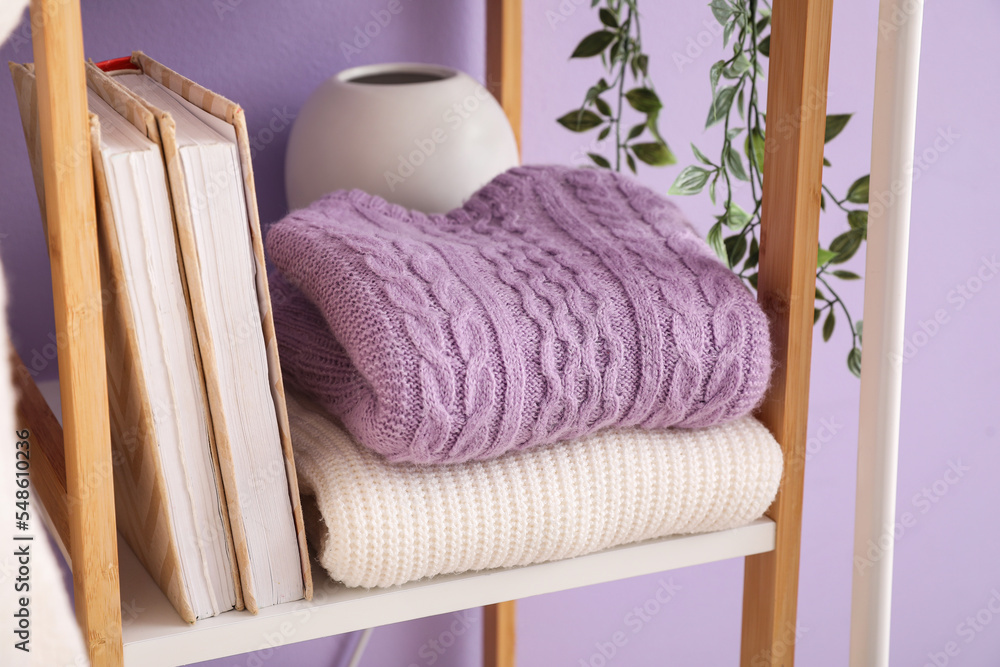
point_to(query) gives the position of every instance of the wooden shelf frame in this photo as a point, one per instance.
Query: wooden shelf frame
(77, 489)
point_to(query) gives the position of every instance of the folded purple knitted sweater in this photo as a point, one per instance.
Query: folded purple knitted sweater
(555, 303)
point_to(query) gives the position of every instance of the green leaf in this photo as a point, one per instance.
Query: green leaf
(736, 247)
(630, 161)
(763, 23)
(715, 240)
(816, 313)
(701, 156)
(593, 44)
(603, 107)
(859, 329)
(828, 326)
(711, 188)
(642, 62)
(616, 48)
(735, 163)
(753, 256)
(822, 201)
(752, 279)
(758, 148)
(845, 246)
(714, 73)
(654, 153)
(651, 119)
(739, 104)
(599, 160)
(644, 100)
(727, 31)
(636, 131)
(846, 275)
(604, 133)
(819, 295)
(823, 256)
(826, 163)
(740, 65)
(689, 182)
(858, 192)
(737, 218)
(722, 10)
(835, 124)
(720, 105)
(608, 18)
(733, 132)
(859, 220)
(580, 120)
(854, 361)
(765, 47)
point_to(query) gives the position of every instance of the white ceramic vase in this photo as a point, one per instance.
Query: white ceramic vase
(422, 136)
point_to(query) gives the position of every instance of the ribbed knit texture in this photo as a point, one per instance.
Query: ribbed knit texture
(557, 302)
(381, 523)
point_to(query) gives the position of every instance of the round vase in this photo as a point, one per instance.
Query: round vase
(422, 136)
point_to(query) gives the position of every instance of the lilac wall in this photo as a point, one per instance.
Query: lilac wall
(269, 55)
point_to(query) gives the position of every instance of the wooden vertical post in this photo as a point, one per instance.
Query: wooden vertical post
(76, 287)
(503, 58)
(503, 78)
(499, 634)
(796, 119)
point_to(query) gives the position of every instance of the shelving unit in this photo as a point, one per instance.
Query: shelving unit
(71, 465)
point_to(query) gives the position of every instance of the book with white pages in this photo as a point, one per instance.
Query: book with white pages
(169, 499)
(222, 257)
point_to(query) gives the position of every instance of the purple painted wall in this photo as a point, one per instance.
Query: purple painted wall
(269, 56)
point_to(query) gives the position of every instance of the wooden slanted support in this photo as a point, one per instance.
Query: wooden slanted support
(76, 288)
(796, 120)
(503, 78)
(48, 457)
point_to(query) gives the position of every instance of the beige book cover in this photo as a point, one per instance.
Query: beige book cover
(231, 113)
(142, 507)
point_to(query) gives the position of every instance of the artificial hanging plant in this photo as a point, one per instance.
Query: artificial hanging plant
(734, 84)
(619, 44)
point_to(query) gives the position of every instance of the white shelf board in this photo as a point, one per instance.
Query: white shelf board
(154, 634)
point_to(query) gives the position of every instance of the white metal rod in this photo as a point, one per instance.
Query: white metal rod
(893, 129)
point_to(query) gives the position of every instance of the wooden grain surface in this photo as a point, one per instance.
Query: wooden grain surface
(503, 77)
(76, 287)
(503, 58)
(48, 458)
(796, 118)
(500, 634)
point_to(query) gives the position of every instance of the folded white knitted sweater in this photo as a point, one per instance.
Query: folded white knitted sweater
(381, 524)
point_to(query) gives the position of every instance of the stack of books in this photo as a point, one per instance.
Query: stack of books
(205, 486)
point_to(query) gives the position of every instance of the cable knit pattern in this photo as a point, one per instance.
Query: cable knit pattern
(374, 523)
(557, 302)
